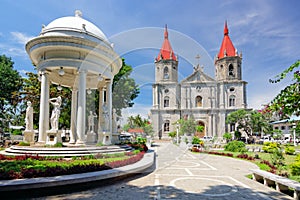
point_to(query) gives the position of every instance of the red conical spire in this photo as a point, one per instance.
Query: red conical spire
(166, 32)
(227, 48)
(166, 51)
(226, 32)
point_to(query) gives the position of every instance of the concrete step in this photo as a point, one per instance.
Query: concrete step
(65, 151)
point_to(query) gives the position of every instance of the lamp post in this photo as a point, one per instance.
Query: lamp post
(177, 132)
(294, 133)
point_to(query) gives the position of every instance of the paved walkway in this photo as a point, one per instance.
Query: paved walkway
(180, 174)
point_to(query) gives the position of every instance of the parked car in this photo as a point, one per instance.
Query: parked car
(267, 138)
(207, 138)
(197, 146)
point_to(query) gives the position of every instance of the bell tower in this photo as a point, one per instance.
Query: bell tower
(166, 90)
(228, 62)
(166, 63)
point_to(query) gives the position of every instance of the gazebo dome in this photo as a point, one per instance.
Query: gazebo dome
(74, 26)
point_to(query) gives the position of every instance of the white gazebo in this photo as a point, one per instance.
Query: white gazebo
(72, 52)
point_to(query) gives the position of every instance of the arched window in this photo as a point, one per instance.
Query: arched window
(167, 125)
(231, 100)
(166, 73)
(198, 101)
(231, 70)
(166, 102)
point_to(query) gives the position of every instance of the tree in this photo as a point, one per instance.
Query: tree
(249, 121)
(286, 103)
(227, 137)
(10, 85)
(259, 123)
(187, 126)
(241, 118)
(124, 88)
(31, 92)
(139, 122)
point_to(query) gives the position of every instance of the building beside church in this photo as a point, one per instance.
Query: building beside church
(208, 100)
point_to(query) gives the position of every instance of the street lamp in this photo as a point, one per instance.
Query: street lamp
(294, 133)
(177, 132)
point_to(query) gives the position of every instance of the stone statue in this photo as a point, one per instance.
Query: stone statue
(105, 117)
(29, 117)
(114, 120)
(56, 102)
(91, 122)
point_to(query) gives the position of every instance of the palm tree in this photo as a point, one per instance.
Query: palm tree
(130, 121)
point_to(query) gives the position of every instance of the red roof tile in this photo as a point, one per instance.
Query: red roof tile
(166, 51)
(227, 47)
(135, 130)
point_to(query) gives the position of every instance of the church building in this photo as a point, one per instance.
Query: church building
(208, 100)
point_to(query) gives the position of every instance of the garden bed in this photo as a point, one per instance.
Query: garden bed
(26, 166)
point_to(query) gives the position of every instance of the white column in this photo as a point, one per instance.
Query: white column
(73, 116)
(153, 96)
(100, 114)
(208, 126)
(44, 108)
(80, 126)
(222, 96)
(109, 103)
(214, 124)
(222, 124)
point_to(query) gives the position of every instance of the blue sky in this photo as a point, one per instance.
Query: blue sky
(267, 32)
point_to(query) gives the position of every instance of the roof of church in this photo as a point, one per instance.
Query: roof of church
(227, 48)
(166, 51)
(198, 76)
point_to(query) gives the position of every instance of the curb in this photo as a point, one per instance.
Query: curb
(44, 182)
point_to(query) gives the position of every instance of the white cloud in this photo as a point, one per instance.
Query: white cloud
(137, 109)
(21, 38)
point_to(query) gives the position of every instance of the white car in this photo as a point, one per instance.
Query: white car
(207, 138)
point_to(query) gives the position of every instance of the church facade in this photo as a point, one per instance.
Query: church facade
(208, 100)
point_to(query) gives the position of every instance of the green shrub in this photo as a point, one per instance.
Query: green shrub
(263, 166)
(297, 159)
(99, 144)
(227, 137)
(173, 134)
(295, 168)
(235, 146)
(270, 147)
(289, 150)
(135, 152)
(17, 132)
(141, 140)
(277, 157)
(196, 140)
(59, 144)
(22, 143)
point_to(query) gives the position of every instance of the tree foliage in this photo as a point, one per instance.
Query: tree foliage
(187, 126)
(139, 122)
(10, 84)
(125, 90)
(286, 103)
(249, 121)
(31, 92)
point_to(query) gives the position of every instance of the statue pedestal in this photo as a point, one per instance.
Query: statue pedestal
(28, 136)
(106, 138)
(91, 137)
(53, 137)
